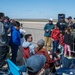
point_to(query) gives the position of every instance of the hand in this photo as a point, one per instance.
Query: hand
(51, 29)
(46, 30)
(52, 39)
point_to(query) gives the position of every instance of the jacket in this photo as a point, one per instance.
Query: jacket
(62, 25)
(26, 44)
(15, 37)
(49, 28)
(3, 35)
(68, 39)
(55, 34)
(45, 53)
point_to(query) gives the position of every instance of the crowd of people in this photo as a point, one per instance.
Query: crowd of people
(56, 49)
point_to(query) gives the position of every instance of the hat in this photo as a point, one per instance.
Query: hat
(40, 42)
(62, 17)
(69, 17)
(35, 63)
(50, 19)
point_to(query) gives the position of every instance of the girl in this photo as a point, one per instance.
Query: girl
(68, 40)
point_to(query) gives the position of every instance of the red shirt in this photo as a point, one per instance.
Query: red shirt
(55, 34)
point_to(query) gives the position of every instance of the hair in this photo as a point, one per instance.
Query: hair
(21, 35)
(7, 17)
(68, 30)
(62, 33)
(1, 15)
(17, 24)
(27, 36)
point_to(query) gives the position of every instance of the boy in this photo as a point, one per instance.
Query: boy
(15, 41)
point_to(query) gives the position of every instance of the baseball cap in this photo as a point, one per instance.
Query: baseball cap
(35, 63)
(69, 17)
(40, 42)
(50, 19)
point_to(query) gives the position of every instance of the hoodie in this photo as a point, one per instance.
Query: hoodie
(15, 37)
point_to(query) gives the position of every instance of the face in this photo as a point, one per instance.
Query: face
(2, 18)
(60, 35)
(69, 20)
(30, 39)
(17, 27)
(50, 22)
(62, 19)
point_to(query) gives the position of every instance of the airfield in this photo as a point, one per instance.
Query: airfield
(34, 28)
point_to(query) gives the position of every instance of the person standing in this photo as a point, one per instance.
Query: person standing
(15, 41)
(62, 25)
(4, 49)
(55, 38)
(70, 23)
(47, 32)
(68, 40)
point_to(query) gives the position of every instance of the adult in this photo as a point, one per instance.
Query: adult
(62, 25)
(4, 49)
(70, 23)
(47, 32)
(35, 64)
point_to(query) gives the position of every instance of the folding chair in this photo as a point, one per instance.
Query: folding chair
(13, 69)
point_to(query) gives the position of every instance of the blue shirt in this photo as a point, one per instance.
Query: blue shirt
(15, 37)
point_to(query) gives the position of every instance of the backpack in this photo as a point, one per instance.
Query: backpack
(26, 52)
(3, 35)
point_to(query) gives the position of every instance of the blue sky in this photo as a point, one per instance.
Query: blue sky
(41, 9)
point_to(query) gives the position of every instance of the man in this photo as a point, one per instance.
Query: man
(62, 25)
(70, 23)
(4, 49)
(28, 43)
(34, 64)
(6, 23)
(47, 32)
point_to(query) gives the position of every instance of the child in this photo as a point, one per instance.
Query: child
(55, 37)
(68, 40)
(15, 41)
(61, 43)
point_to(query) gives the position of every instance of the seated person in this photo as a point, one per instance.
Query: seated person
(49, 58)
(34, 64)
(28, 43)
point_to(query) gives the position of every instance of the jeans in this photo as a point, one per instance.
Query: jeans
(14, 49)
(55, 46)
